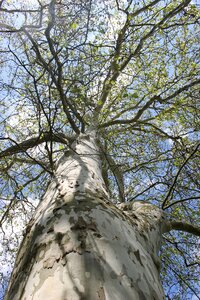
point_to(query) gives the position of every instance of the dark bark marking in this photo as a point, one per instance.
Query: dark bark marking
(81, 224)
(101, 294)
(96, 234)
(142, 296)
(113, 275)
(137, 254)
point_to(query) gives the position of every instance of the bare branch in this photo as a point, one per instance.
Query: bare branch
(182, 200)
(177, 175)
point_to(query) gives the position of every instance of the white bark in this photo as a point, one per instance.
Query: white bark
(80, 246)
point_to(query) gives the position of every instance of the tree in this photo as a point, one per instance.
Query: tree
(100, 104)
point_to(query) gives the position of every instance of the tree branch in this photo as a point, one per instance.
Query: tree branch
(182, 226)
(183, 200)
(33, 142)
(177, 175)
(115, 68)
(57, 82)
(148, 104)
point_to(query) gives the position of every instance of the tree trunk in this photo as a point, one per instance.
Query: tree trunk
(80, 246)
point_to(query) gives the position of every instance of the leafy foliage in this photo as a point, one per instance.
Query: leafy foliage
(128, 68)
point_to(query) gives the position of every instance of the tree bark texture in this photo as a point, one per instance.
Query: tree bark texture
(80, 246)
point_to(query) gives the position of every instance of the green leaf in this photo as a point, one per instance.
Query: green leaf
(135, 95)
(74, 25)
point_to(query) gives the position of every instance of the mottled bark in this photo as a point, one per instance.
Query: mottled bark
(80, 246)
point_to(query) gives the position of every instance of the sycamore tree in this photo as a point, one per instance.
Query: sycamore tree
(100, 121)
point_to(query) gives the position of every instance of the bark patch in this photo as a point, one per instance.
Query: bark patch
(81, 224)
(101, 294)
(137, 254)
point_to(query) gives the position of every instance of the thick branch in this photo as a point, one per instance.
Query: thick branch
(33, 142)
(65, 101)
(49, 69)
(182, 226)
